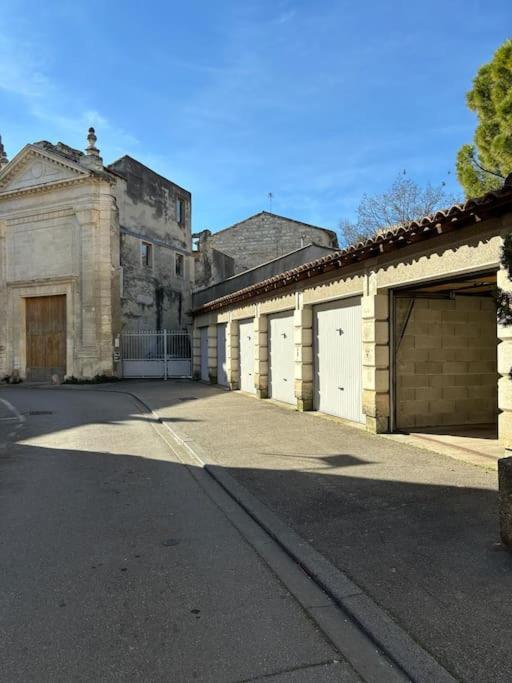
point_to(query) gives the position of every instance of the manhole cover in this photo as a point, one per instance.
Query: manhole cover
(41, 412)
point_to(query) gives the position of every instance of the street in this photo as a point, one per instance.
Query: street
(117, 565)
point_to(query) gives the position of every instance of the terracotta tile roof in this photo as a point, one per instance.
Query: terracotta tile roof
(457, 216)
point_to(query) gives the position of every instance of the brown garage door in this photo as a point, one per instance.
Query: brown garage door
(46, 337)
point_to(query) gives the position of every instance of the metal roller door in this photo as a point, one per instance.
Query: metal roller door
(222, 375)
(247, 356)
(281, 357)
(205, 376)
(338, 359)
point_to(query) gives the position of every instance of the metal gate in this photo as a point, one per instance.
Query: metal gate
(160, 354)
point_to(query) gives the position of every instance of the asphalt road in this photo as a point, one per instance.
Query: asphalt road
(116, 565)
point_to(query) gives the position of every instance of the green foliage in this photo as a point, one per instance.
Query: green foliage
(484, 165)
(97, 379)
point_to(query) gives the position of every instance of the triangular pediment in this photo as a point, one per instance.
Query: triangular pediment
(34, 167)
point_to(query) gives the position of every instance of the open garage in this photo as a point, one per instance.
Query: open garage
(445, 346)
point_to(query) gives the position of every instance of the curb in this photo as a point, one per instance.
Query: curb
(388, 636)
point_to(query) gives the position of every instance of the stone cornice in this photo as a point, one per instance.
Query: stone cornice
(64, 279)
(30, 152)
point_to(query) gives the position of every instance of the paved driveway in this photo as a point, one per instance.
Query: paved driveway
(415, 529)
(115, 565)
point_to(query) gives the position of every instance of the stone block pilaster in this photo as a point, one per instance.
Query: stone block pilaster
(375, 321)
(233, 354)
(196, 353)
(504, 366)
(212, 353)
(261, 356)
(303, 336)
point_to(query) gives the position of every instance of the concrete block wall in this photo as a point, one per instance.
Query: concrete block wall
(446, 362)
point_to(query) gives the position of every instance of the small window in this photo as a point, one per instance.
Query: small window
(147, 254)
(179, 210)
(179, 265)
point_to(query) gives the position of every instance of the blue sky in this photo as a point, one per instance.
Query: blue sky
(316, 102)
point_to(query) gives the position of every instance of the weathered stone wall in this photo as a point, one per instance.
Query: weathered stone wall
(446, 362)
(210, 265)
(266, 236)
(154, 297)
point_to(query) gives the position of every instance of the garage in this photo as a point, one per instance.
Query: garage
(338, 359)
(445, 380)
(281, 349)
(205, 375)
(222, 375)
(247, 356)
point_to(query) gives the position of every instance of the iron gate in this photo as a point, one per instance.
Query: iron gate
(159, 354)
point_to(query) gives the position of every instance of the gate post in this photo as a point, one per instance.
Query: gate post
(165, 355)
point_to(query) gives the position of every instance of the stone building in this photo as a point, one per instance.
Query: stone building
(251, 242)
(86, 250)
(396, 333)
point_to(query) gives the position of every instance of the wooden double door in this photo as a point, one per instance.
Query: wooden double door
(46, 337)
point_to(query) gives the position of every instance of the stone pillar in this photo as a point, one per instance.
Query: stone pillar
(233, 354)
(212, 353)
(504, 334)
(261, 355)
(375, 314)
(303, 332)
(196, 353)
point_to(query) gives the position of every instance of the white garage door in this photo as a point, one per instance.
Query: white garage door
(204, 354)
(281, 357)
(222, 375)
(338, 359)
(247, 356)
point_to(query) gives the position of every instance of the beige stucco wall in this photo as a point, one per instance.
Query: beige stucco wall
(471, 250)
(60, 240)
(446, 362)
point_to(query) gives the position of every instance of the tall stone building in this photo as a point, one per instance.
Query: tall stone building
(251, 242)
(86, 251)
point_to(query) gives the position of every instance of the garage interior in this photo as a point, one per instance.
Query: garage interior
(445, 380)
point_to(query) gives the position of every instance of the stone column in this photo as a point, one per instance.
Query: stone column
(196, 353)
(303, 332)
(504, 366)
(233, 354)
(261, 355)
(212, 353)
(375, 314)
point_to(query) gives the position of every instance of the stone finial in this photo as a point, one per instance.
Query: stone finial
(92, 150)
(3, 156)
